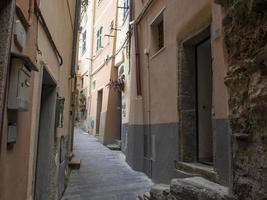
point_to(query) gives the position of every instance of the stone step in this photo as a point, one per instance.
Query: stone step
(193, 188)
(75, 162)
(114, 147)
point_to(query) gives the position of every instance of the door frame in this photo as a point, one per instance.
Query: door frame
(46, 79)
(187, 96)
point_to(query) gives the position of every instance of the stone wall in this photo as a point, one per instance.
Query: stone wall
(245, 26)
(6, 23)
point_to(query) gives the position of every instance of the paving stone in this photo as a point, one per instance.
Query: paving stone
(103, 174)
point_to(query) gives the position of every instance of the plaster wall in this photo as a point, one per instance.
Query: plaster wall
(60, 25)
(163, 65)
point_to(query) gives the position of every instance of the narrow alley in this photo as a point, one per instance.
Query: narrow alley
(104, 174)
(133, 99)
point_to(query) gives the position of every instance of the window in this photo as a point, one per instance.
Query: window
(157, 32)
(160, 35)
(112, 26)
(125, 8)
(82, 82)
(99, 38)
(93, 85)
(84, 42)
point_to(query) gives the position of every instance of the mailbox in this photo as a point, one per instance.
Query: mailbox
(20, 82)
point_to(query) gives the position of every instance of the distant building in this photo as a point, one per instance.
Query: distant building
(103, 113)
(83, 74)
(122, 63)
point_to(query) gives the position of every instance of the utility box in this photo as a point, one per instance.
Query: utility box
(12, 134)
(20, 82)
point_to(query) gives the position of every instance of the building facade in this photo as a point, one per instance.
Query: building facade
(36, 136)
(84, 62)
(178, 117)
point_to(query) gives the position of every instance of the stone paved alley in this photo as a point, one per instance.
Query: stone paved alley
(104, 174)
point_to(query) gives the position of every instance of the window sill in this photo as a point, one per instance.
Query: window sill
(158, 52)
(99, 2)
(205, 171)
(98, 52)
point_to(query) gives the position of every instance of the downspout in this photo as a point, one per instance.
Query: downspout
(31, 11)
(73, 64)
(150, 141)
(137, 60)
(75, 38)
(91, 56)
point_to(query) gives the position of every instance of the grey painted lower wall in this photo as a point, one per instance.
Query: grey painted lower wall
(124, 137)
(152, 149)
(135, 148)
(162, 150)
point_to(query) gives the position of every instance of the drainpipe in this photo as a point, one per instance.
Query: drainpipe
(91, 57)
(31, 11)
(137, 60)
(150, 141)
(75, 38)
(73, 64)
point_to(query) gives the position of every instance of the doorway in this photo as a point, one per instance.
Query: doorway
(195, 99)
(45, 142)
(119, 114)
(99, 110)
(204, 101)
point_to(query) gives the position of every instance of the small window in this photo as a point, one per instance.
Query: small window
(82, 82)
(160, 35)
(93, 85)
(84, 42)
(112, 26)
(99, 36)
(157, 34)
(125, 9)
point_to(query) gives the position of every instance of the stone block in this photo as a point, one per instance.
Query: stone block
(198, 188)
